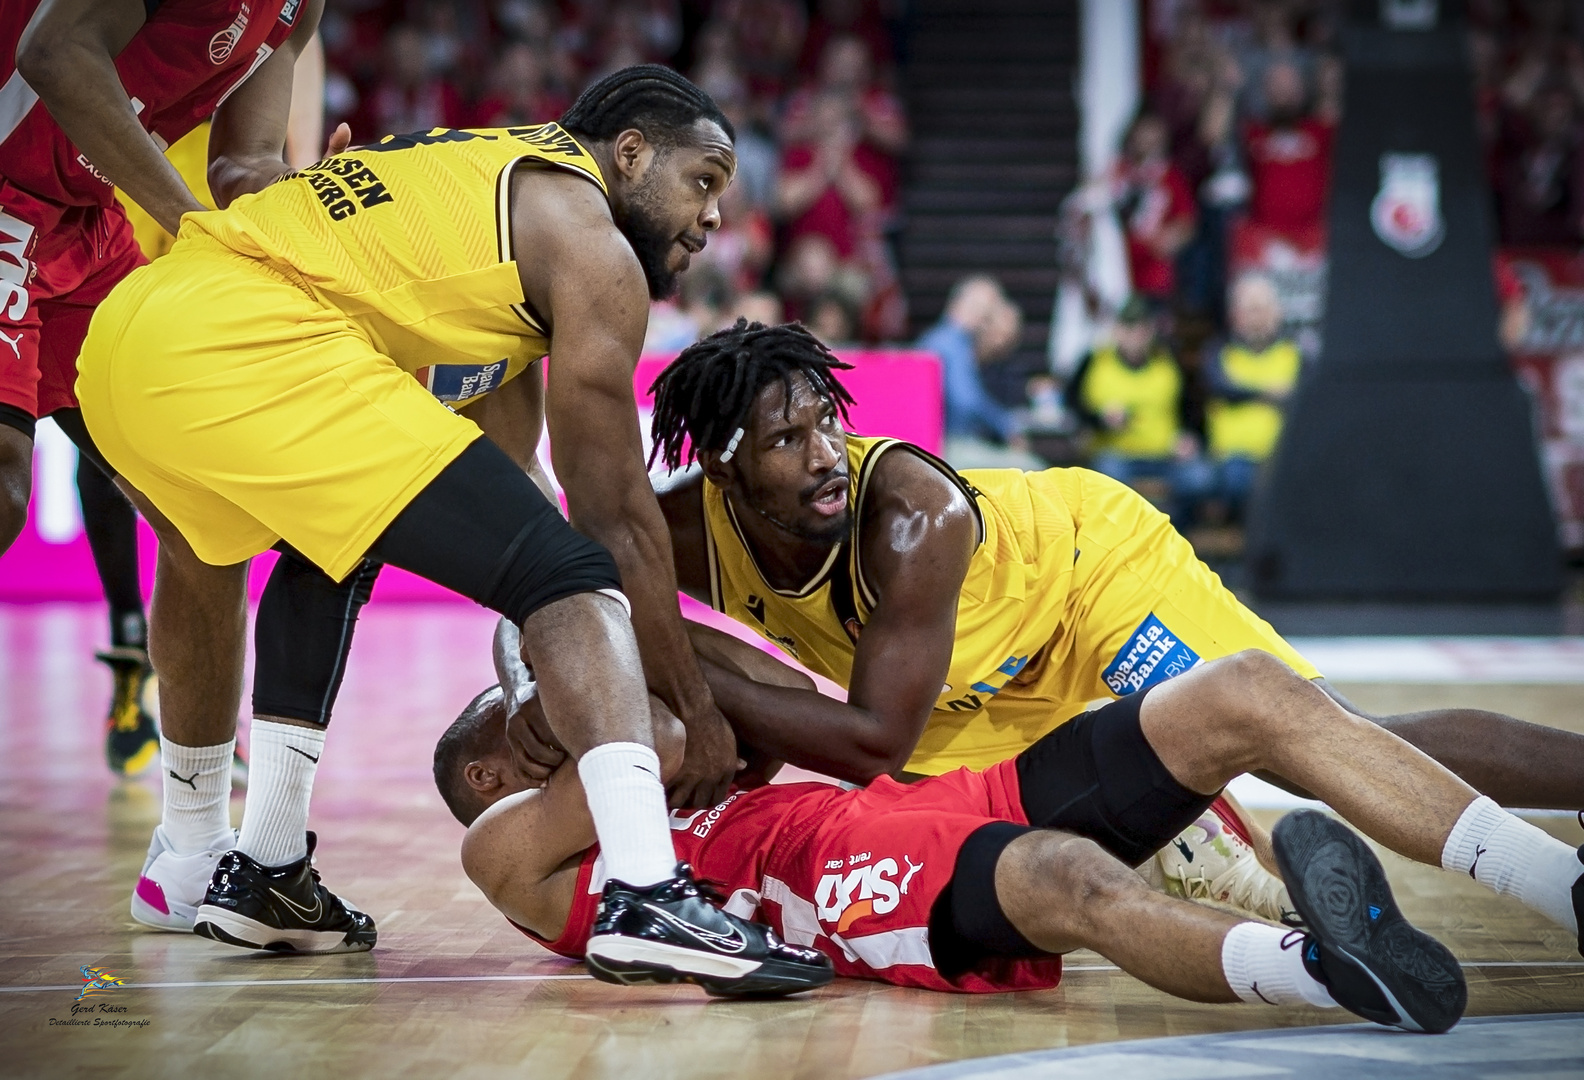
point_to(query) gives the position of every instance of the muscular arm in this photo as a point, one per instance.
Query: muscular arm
(247, 144)
(67, 55)
(585, 279)
(919, 534)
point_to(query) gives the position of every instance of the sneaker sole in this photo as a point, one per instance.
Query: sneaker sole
(229, 928)
(764, 979)
(1335, 882)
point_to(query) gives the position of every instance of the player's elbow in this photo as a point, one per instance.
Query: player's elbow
(40, 61)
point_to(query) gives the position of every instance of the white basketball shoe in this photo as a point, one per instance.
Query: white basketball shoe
(1209, 860)
(172, 886)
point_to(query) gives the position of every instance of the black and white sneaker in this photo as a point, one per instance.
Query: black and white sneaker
(279, 909)
(1374, 962)
(670, 933)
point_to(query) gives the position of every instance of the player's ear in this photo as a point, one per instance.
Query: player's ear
(723, 474)
(482, 777)
(633, 153)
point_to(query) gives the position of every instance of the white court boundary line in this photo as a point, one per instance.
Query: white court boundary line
(392, 979)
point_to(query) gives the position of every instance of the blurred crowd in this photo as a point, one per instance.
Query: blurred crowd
(810, 88)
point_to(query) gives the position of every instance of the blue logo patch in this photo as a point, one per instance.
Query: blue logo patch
(459, 382)
(1152, 655)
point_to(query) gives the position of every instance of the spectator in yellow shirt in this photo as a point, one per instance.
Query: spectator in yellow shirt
(1131, 392)
(1250, 377)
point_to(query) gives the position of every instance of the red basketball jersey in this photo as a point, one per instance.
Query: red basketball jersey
(851, 873)
(176, 69)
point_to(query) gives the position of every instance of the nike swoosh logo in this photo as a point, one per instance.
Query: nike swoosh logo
(304, 753)
(734, 942)
(309, 914)
(1477, 853)
(1187, 852)
(648, 771)
(188, 780)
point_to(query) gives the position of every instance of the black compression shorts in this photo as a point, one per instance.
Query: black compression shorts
(1096, 776)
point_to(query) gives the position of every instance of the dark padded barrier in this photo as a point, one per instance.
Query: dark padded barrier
(1409, 466)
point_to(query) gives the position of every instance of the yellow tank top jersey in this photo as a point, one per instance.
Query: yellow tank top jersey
(1150, 396)
(1011, 602)
(410, 238)
(1250, 428)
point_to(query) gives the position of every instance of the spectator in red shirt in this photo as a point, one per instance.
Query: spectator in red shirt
(1155, 206)
(409, 97)
(833, 184)
(1289, 154)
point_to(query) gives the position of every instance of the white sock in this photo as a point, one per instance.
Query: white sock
(281, 771)
(622, 784)
(197, 781)
(1515, 859)
(1259, 968)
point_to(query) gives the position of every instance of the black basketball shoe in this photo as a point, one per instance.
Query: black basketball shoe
(279, 909)
(131, 737)
(670, 933)
(1374, 962)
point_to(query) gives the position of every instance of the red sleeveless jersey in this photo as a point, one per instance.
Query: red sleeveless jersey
(176, 69)
(853, 874)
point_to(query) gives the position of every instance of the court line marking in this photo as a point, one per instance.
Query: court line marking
(387, 979)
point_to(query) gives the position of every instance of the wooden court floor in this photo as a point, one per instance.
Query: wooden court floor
(452, 990)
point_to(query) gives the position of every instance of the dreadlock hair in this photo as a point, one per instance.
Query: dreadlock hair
(652, 98)
(463, 742)
(705, 394)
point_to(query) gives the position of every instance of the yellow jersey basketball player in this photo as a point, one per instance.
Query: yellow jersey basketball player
(969, 614)
(286, 374)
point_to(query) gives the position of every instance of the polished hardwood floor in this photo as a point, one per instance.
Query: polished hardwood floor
(452, 990)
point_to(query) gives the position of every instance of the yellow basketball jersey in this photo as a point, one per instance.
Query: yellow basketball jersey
(1011, 603)
(1251, 428)
(410, 238)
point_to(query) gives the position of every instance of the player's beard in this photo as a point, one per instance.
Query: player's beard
(639, 222)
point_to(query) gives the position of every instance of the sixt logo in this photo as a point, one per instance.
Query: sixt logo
(98, 981)
(873, 889)
(1151, 655)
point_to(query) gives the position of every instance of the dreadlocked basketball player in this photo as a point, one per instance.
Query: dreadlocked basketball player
(283, 373)
(90, 94)
(977, 880)
(967, 615)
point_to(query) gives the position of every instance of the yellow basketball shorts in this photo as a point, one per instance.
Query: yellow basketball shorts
(249, 411)
(1141, 608)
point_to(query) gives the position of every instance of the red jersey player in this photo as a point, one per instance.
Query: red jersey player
(978, 880)
(91, 92)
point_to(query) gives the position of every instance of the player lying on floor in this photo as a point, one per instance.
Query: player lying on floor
(977, 880)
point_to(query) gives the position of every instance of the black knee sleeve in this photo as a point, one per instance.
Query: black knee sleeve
(483, 529)
(303, 634)
(1098, 776)
(967, 925)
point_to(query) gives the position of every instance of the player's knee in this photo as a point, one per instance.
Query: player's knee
(1250, 685)
(1085, 881)
(529, 580)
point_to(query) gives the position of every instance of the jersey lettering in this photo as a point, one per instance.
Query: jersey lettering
(548, 137)
(15, 267)
(337, 181)
(427, 138)
(843, 899)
